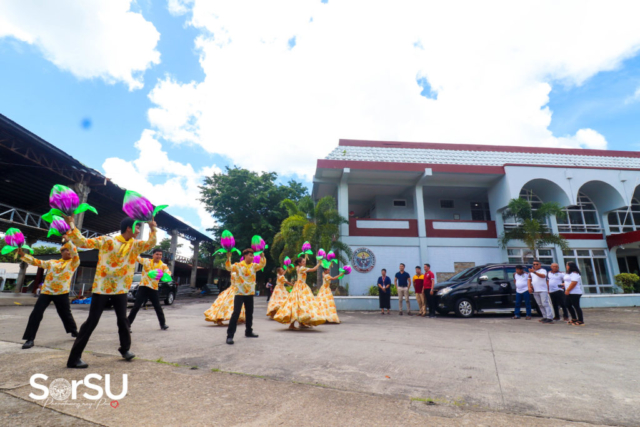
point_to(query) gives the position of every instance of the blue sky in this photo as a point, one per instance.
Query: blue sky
(275, 91)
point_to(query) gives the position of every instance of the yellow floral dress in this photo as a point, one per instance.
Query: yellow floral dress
(300, 305)
(325, 301)
(278, 297)
(222, 308)
(59, 272)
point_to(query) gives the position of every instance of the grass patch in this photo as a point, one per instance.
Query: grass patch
(215, 370)
(438, 401)
(167, 363)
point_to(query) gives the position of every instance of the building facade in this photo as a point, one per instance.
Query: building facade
(443, 204)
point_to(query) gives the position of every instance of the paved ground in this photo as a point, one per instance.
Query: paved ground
(370, 370)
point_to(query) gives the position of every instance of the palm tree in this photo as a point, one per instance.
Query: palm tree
(532, 227)
(318, 224)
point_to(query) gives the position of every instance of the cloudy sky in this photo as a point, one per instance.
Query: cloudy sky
(157, 94)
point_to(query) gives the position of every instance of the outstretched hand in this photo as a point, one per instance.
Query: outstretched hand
(152, 224)
(69, 219)
(20, 252)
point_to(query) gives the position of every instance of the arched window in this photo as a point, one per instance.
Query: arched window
(533, 200)
(625, 220)
(580, 218)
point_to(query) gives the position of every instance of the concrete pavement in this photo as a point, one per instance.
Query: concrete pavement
(460, 370)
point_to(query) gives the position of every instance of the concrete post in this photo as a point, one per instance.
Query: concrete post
(83, 191)
(194, 263)
(553, 221)
(497, 218)
(174, 251)
(343, 200)
(22, 273)
(418, 201)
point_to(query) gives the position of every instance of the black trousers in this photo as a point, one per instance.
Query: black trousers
(63, 306)
(98, 303)
(238, 302)
(558, 301)
(431, 301)
(573, 304)
(144, 293)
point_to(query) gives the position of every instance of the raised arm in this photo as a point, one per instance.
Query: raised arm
(151, 241)
(337, 277)
(80, 241)
(311, 270)
(227, 264)
(34, 261)
(262, 263)
(75, 258)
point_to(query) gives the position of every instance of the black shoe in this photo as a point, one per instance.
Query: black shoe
(251, 335)
(229, 340)
(27, 345)
(74, 334)
(164, 327)
(127, 355)
(78, 364)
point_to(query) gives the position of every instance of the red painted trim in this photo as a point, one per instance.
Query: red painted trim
(489, 233)
(474, 147)
(412, 231)
(582, 236)
(572, 167)
(407, 167)
(627, 238)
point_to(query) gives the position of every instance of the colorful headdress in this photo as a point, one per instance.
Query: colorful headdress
(159, 274)
(140, 209)
(65, 202)
(14, 240)
(228, 243)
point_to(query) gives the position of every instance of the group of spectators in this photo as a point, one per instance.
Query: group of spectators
(423, 284)
(553, 288)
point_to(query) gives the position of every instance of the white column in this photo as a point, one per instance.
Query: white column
(497, 218)
(174, 251)
(194, 263)
(343, 200)
(419, 208)
(559, 255)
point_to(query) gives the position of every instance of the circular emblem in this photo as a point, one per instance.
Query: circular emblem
(60, 389)
(363, 260)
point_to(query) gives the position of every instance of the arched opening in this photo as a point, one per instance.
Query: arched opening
(626, 219)
(605, 197)
(580, 218)
(547, 191)
(533, 199)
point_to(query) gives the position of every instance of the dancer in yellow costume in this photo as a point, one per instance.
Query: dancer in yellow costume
(301, 304)
(324, 299)
(280, 294)
(222, 308)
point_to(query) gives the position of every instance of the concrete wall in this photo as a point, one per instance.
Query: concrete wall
(462, 207)
(386, 210)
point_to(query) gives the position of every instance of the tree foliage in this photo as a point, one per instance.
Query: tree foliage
(37, 250)
(319, 224)
(532, 226)
(248, 203)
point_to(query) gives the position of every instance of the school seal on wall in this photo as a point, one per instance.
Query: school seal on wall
(363, 260)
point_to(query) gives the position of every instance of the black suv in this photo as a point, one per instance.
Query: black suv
(166, 290)
(483, 288)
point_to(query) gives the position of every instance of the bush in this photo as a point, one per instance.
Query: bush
(374, 291)
(628, 282)
(394, 291)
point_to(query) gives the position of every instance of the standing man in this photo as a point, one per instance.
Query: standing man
(269, 289)
(555, 279)
(540, 290)
(418, 280)
(246, 289)
(403, 284)
(148, 289)
(55, 289)
(429, 285)
(114, 274)
(521, 279)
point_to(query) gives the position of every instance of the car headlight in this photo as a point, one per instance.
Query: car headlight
(444, 291)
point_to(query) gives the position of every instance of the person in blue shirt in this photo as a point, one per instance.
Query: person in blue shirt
(384, 292)
(403, 283)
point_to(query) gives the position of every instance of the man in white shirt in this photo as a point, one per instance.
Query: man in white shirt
(555, 279)
(540, 289)
(521, 280)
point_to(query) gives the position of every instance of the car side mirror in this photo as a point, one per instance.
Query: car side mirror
(483, 279)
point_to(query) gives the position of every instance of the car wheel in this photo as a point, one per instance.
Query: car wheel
(464, 308)
(170, 298)
(442, 312)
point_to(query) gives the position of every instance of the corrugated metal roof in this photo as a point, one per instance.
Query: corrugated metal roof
(478, 158)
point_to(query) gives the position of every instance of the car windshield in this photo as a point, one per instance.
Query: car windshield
(466, 274)
(137, 278)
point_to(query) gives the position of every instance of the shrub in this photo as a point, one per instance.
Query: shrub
(394, 291)
(374, 291)
(628, 282)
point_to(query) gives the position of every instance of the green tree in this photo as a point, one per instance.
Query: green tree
(165, 244)
(248, 203)
(319, 224)
(37, 250)
(532, 226)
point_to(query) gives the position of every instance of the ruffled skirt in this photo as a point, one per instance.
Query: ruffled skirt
(277, 300)
(222, 308)
(327, 305)
(300, 306)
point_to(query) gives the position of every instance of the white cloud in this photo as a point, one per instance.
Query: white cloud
(89, 38)
(633, 98)
(353, 71)
(179, 187)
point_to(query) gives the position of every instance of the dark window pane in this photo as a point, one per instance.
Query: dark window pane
(613, 218)
(591, 218)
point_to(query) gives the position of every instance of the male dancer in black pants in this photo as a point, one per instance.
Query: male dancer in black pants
(148, 288)
(114, 275)
(246, 289)
(55, 289)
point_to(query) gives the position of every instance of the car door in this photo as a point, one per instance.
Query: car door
(494, 288)
(512, 286)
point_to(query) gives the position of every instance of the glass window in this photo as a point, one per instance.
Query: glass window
(626, 219)
(594, 268)
(494, 275)
(581, 218)
(544, 255)
(480, 211)
(533, 200)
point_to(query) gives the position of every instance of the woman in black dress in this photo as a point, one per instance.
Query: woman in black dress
(384, 292)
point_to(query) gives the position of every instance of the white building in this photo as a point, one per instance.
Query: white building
(442, 204)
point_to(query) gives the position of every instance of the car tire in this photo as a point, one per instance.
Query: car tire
(464, 308)
(170, 299)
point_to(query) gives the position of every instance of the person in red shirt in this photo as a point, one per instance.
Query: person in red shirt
(430, 296)
(417, 285)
